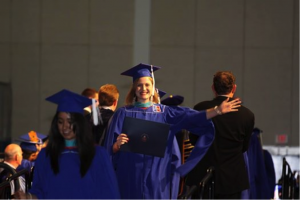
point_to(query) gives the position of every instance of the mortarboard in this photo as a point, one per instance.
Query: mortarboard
(173, 100)
(68, 101)
(161, 93)
(32, 137)
(140, 70)
(28, 146)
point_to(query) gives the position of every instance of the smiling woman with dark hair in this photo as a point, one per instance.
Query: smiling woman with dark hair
(71, 167)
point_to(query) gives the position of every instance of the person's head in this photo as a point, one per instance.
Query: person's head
(69, 121)
(68, 124)
(30, 151)
(13, 155)
(224, 83)
(91, 93)
(31, 144)
(29, 155)
(143, 87)
(109, 96)
(141, 91)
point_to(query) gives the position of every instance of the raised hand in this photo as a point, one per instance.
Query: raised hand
(229, 106)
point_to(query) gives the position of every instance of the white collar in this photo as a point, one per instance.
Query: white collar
(88, 109)
(224, 96)
(106, 107)
(9, 164)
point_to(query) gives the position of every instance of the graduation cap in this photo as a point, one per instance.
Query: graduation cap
(161, 93)
(68, 101)
(32, 137)
(173, 100)
(28, 146)
(140, 70)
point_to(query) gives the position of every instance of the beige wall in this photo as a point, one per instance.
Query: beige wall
(48, 45)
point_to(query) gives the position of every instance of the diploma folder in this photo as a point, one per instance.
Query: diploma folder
(145, 137)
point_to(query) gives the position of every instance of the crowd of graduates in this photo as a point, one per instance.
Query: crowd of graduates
(212, 151)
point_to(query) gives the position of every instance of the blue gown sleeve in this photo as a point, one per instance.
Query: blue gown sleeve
(38, 183)
(195, 122)
(175, 163)
(107, 186)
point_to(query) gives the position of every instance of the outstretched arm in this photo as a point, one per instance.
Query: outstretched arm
(225, 107)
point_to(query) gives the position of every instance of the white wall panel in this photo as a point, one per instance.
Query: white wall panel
(220, 23)
(176, 75)
(106, 65)
(25, 89)
(294, 137)
(268, 76)
(173, 23)
(269, 23)
(65, 22)
(111, 22)
(5, 20)
(5, 63)
(26, 21)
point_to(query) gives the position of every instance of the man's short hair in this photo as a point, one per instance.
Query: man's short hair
(89, 93)
(223, 82)
(108, 94)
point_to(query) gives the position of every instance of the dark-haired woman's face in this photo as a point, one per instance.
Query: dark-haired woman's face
(65, 126)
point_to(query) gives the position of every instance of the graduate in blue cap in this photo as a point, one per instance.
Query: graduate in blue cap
(31, 144)
(71, 166)
(143, 176)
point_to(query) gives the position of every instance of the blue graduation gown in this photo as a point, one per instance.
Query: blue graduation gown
(98, 183)
(26, 164)
(246, 193)
(259, 187)
(149, 177)
(270, 171)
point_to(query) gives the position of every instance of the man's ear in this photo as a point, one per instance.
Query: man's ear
(213, 89)
(16, 157)
(233, 89)
(115, 103)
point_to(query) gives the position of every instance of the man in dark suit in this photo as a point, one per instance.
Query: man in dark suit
(233, 132)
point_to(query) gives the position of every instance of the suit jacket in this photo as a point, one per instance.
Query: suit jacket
(232, 135)
(106, 114)
(99, 130)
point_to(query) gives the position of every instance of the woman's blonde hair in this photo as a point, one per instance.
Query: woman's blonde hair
(131, 97)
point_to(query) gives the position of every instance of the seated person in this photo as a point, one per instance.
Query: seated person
(12, 158)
